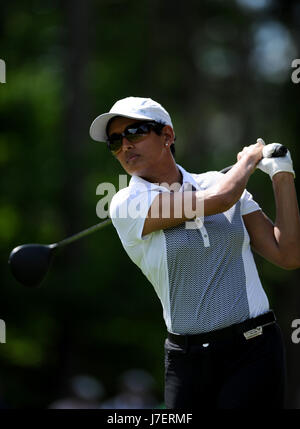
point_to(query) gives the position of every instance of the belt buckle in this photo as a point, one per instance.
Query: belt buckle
(253, 332)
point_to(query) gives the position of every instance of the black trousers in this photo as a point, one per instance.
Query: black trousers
(227, 374)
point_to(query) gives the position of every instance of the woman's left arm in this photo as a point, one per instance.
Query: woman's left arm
(279, 243)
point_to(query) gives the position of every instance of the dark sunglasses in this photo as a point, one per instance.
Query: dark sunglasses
(134, 133)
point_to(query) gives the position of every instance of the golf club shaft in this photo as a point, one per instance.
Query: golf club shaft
(83, 233)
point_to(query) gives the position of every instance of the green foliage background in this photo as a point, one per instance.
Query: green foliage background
(67, 62)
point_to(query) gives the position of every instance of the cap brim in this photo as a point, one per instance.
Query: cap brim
(98, 127)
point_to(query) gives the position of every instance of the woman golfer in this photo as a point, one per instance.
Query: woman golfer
(190, 234)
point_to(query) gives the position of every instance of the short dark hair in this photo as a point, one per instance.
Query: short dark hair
(158, 131)
(109, 122)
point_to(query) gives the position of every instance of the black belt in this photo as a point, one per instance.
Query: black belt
(249, 328)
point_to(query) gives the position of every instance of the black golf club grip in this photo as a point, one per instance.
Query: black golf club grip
(278, 152)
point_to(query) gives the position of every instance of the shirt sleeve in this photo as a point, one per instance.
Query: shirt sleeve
(248, 205)
(128, 211)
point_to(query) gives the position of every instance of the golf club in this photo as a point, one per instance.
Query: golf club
(278, 152)
(30, 263)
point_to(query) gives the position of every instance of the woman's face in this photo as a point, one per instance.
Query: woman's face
(141, 158)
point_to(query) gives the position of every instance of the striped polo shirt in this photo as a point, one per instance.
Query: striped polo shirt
(203, 272)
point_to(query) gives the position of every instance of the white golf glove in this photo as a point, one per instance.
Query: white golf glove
(271, 166)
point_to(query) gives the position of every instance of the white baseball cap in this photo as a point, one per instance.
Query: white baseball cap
(129, 107)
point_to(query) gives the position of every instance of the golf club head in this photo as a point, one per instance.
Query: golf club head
(29, 263)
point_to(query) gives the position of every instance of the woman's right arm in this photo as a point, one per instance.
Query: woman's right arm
(171, 209)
